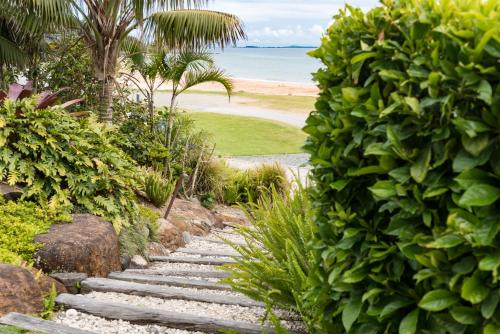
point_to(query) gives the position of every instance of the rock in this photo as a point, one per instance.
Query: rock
(228, 214)
(71, 281)
(190, 216)
(46, 282)
(10, 193)
(19, 291)
(157, 249)
(186, 236)
(125, 261)
(138, 262)
(71, 313)
(88, 245)
(169, 235)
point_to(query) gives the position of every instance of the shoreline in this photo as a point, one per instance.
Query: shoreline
(266, 87)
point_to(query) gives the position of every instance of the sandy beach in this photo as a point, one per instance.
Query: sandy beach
(265, 87)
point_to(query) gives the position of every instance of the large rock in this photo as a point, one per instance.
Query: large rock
(19, 291)
(10, 193)
(190, 216)
(88, 245)
(169, 235)
(157, 249)
(232, 215)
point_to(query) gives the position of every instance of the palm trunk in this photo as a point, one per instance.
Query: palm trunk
(105, 99)
(170, 121)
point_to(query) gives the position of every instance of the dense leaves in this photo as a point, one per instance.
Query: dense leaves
(60, 161)
(405, 149)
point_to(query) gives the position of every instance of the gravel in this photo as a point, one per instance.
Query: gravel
(181, 266)
(206, 245)
(88, 322)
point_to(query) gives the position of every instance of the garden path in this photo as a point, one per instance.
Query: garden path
(177, 294)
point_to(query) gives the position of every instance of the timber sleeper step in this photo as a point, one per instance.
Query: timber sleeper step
(207, 252)
(183, 273)
(217, 241)
(140, 315)
(138, 289)
(38, 325)
(169, 281)
(192, 260)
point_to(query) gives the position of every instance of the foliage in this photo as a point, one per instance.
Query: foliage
(61, 161)
(67, 65)
(253, 184)
(277, 257)
(49, 303)
(405, 150)
(157, 188)
(20, 223)
(214, 179)
(134, 239)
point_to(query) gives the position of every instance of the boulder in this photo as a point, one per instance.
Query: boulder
(125, 261)
(157, 249)
(232, 215)
(190, 216)
(88, 245)
(169, 235)
(19, 291)
(10, 193)
(45, 283)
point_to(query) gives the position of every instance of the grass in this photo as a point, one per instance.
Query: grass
(240, 135)
(290, 103)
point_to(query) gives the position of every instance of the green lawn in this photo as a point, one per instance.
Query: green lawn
(239, 135)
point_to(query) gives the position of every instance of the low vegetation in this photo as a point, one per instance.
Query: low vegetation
(240, 135)
(157, 188)
(20, 223)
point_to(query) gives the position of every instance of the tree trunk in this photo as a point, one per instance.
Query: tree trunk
(105, 100)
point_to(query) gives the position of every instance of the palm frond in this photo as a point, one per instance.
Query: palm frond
(195, 29)
(194, 78)
(134, 50)
(176, 65)
(10, 53)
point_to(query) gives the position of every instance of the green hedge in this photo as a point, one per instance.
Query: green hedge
(406, 154)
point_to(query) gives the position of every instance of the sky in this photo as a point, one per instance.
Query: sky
(283, 23)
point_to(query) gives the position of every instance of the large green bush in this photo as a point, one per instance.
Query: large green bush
(406, 153)
(20, 223)
(62, 161)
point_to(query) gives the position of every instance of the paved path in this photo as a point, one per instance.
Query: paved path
(177, 294)
(220, 104)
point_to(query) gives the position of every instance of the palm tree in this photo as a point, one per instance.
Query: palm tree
(182, 70)
(106, 24)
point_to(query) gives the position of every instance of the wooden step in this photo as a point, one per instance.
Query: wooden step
(141, 315)
(207, 252)
(186, 273)
(216, 241)
(192, 260)
(38, 325)
(171, 281)
(138, 289)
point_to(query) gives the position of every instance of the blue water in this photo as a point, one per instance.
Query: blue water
(283, 64)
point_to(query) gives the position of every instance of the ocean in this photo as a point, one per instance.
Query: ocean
(275, 64)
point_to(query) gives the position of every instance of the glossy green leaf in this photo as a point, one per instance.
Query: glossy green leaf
(420, 168)
(437, 300)
(480, 195)
(383, 189)
(409, 323)
(474, 290)
(446, 241)
(351, 312)
(465, 315)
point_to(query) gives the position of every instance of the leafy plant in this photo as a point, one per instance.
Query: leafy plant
(157, 188)
(49, 303)
(276, 261)
(20, 223)
(135, 238)
(404, 144)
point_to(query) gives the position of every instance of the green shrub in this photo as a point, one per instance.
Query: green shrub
(20, 223)
(61, 161)
(135, 238)
(405, 150)
(157, 188)
(251, 185)
(214, 177)
(277, 258)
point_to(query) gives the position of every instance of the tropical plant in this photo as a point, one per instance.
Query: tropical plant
(405, 149)
(157, 188)
(105, 26)
(277, 256)
(20, 223)
(135, 238)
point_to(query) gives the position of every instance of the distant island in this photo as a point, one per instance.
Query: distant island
(278, 47)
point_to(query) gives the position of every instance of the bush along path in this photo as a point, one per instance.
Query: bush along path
(175, 294)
